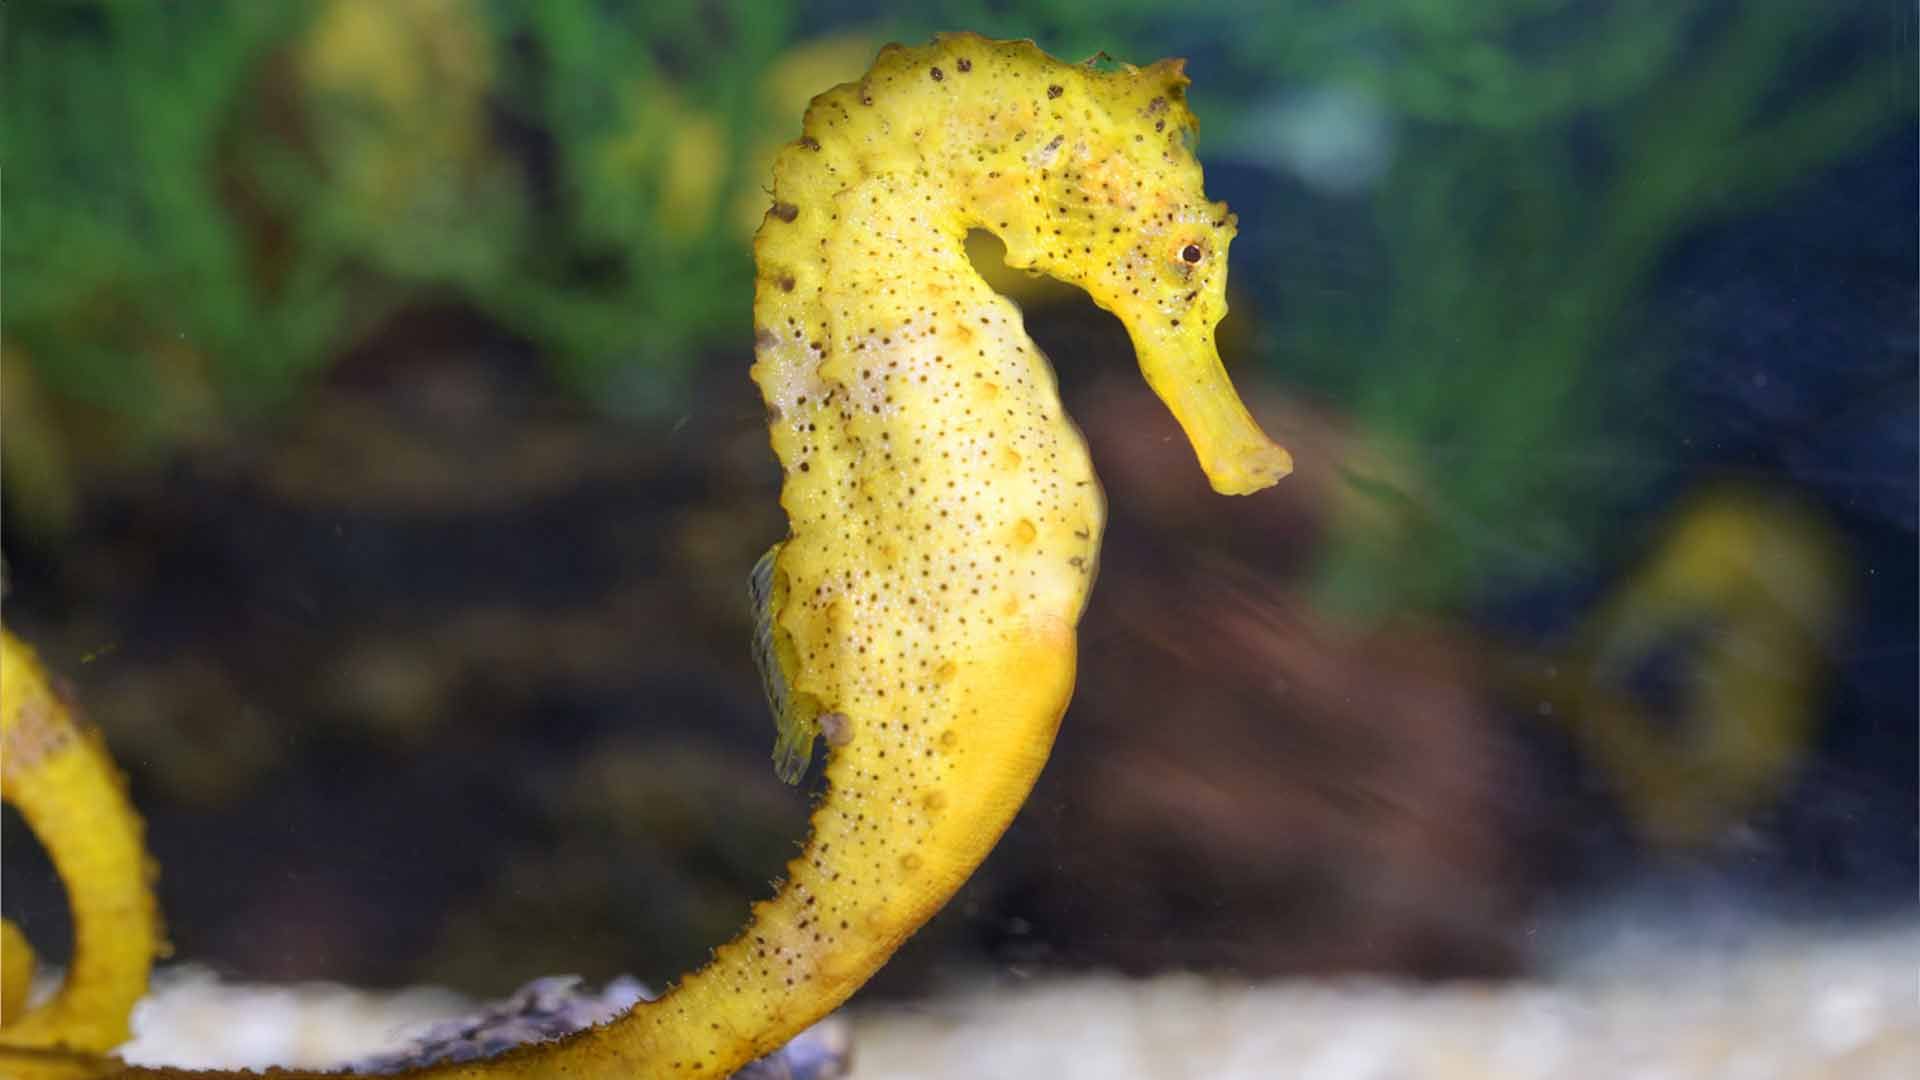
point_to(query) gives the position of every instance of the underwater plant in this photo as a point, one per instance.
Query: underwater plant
(944, 519)
(191, 245)
(1552, 155)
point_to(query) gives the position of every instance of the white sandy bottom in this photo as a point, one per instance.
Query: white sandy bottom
(1780, 1006)
(192, 1018)
(1782, 1009)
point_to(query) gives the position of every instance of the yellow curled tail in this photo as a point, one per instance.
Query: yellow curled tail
(55, 770)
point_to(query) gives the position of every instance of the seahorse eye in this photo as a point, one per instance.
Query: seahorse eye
(1191, 253)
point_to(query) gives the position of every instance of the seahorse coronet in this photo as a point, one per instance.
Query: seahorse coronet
(944, 519)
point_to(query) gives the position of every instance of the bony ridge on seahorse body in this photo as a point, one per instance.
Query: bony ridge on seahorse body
(944, 518)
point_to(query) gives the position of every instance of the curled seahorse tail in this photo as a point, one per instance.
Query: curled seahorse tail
(56, 771)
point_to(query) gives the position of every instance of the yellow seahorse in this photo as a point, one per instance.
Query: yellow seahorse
(56, 771)
(944, 519)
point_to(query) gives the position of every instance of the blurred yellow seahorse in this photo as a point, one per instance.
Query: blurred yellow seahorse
(944, 519)
(1697, 686)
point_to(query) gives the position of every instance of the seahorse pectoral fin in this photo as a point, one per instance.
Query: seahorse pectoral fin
(1187, 373)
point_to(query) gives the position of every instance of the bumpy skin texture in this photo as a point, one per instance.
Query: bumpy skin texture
(944, 517)
(56, 771)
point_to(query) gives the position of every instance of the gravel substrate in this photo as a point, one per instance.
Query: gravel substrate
(1775, 1004)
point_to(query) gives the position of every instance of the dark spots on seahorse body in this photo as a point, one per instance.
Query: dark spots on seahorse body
(937, 74)
(785, 282)
(1055, 90)
(785, 211)
(808, 142)
(965, 65)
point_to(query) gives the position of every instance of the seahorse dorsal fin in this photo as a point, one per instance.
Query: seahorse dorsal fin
(793, 718)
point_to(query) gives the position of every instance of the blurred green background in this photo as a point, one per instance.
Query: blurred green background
(380, 464)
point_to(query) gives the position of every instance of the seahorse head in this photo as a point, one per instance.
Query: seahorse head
(1086, 173)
